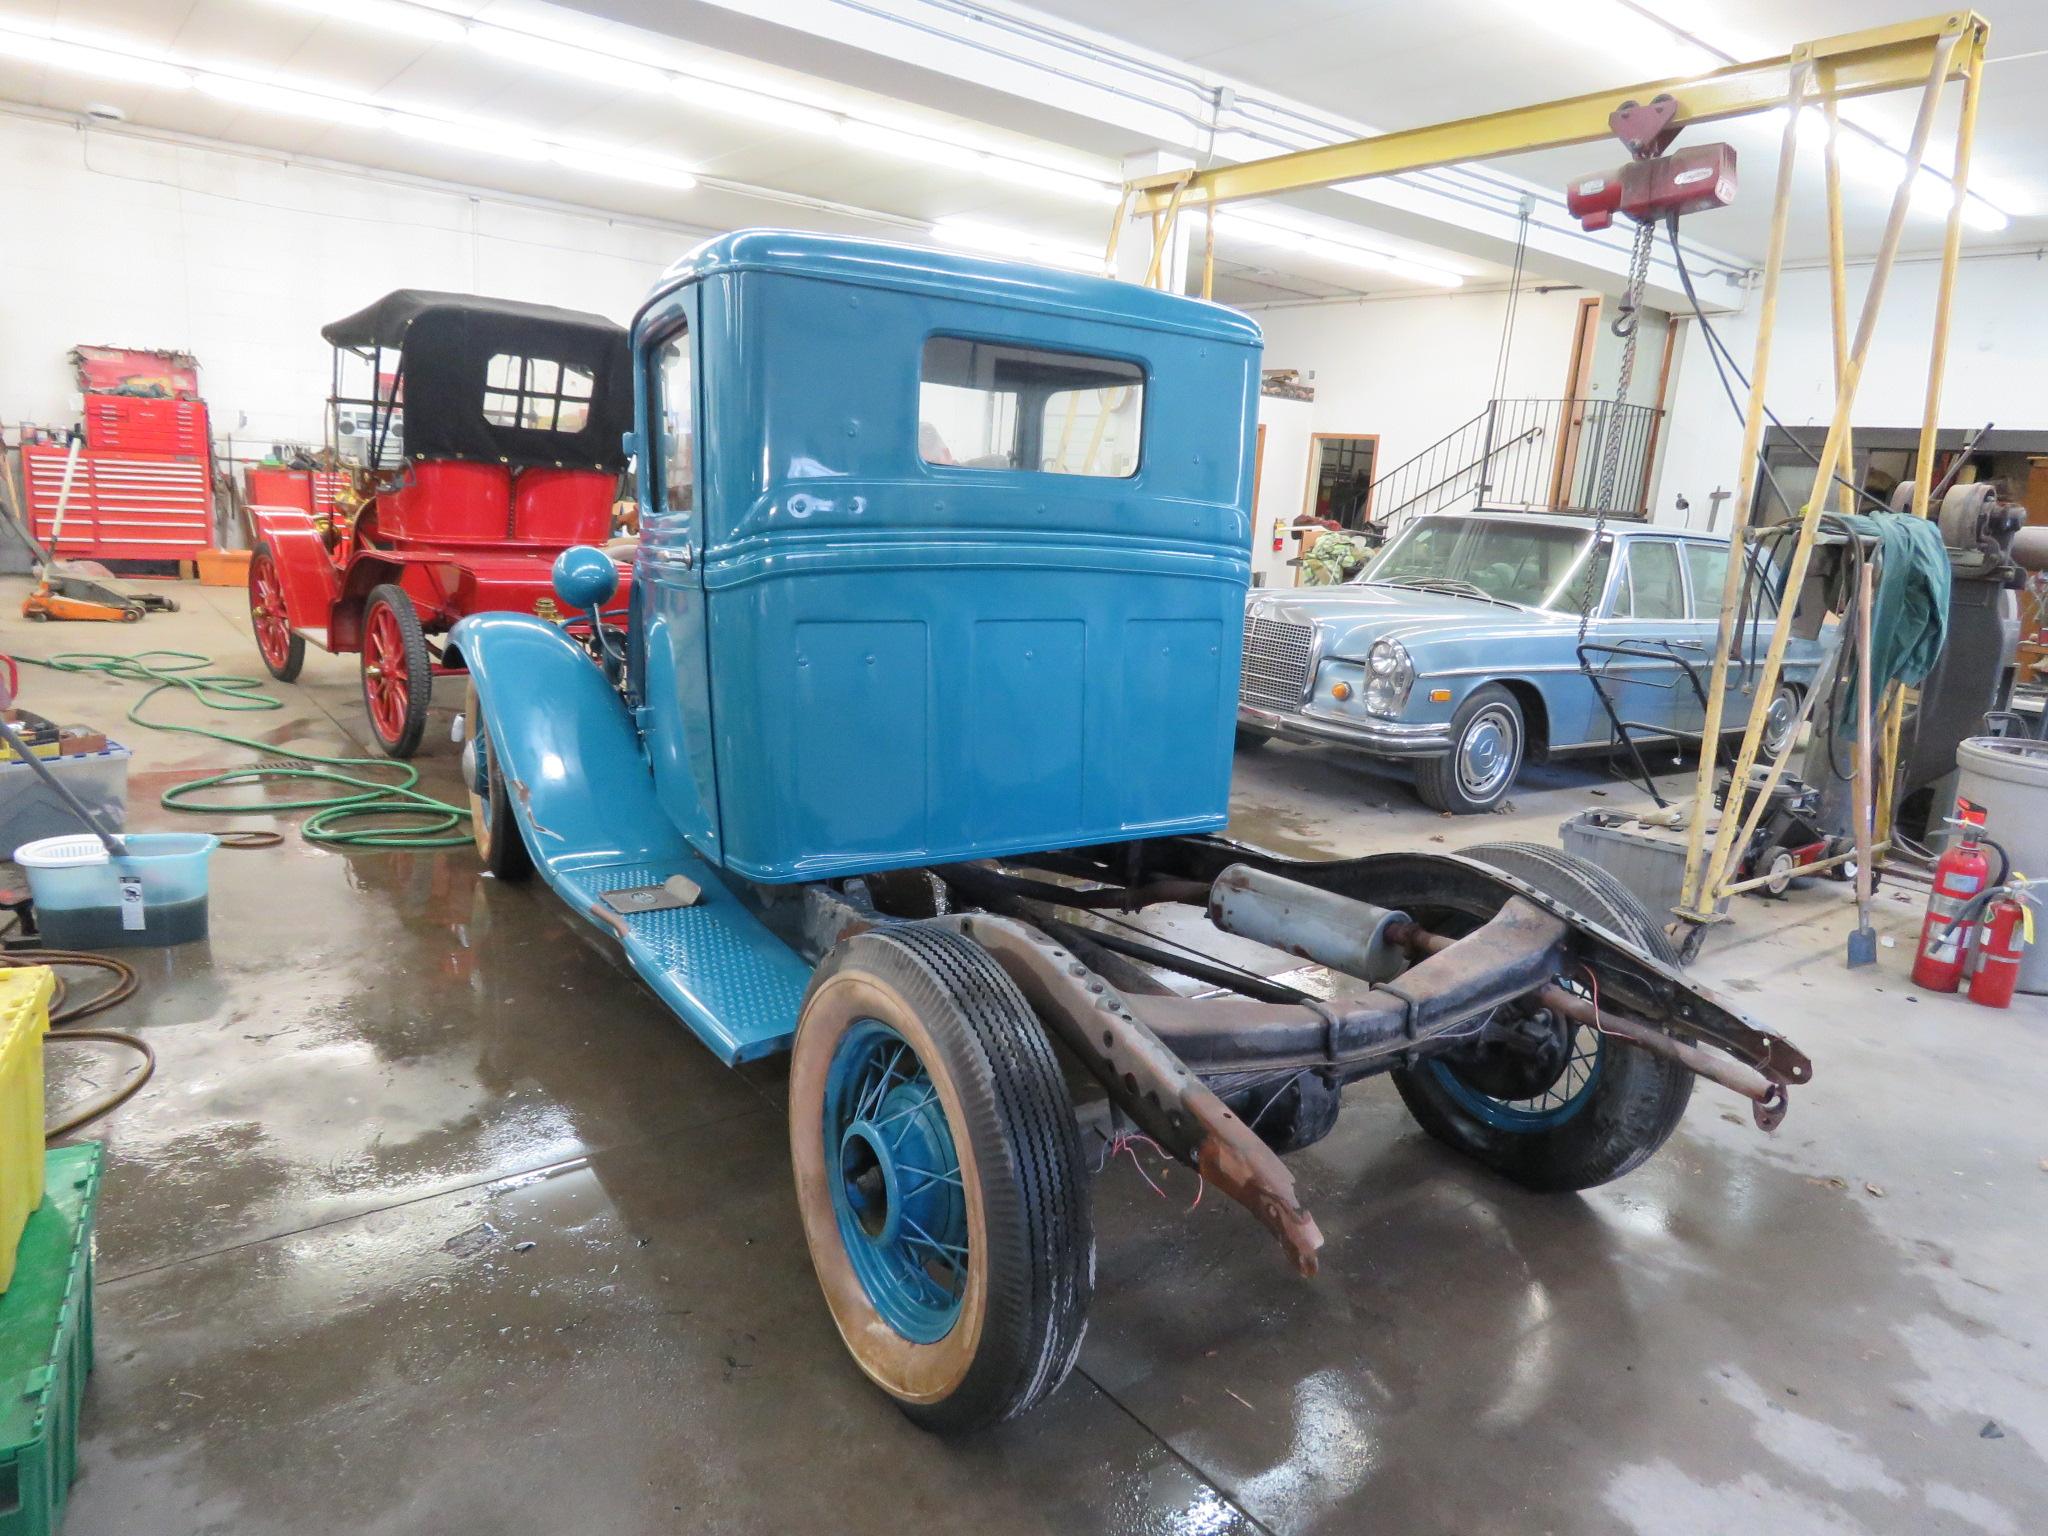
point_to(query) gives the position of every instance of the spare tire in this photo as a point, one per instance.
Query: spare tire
(1611, 1105)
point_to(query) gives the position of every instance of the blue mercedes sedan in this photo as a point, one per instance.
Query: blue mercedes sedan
(1457, 649)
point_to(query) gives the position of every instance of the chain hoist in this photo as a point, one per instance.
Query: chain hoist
(1652, 187)
(1627, 325)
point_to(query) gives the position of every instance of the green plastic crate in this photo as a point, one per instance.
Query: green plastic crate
(46, 1345)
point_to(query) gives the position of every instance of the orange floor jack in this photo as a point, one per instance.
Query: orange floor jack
(70, 591)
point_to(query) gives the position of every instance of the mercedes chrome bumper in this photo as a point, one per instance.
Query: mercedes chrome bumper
(1382, 738)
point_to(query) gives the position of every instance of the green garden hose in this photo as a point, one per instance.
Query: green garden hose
(432, 823)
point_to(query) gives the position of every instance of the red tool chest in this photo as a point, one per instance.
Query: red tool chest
(142, 486)
(122, 506)
(137, 424)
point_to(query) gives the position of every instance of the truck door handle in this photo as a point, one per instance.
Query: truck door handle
(684, 558)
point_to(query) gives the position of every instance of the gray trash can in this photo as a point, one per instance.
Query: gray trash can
(2008, 776)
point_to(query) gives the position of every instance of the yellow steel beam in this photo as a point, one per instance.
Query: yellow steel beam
(1861, 63)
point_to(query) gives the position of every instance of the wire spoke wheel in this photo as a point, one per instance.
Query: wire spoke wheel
(500, 842)
(896, 1182)
(1548, 1102)
(1553, 1104)
(283, 652)
(939, 1176)
(398, 672)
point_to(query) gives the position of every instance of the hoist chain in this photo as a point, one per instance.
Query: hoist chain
(1626, 325)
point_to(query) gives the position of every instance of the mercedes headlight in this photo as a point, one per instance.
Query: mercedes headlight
(1389, 674)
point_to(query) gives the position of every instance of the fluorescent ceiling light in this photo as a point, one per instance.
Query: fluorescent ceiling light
(909, 146)
(78, 59)
(290, 101)
(568, 59)
(621, 166)
(973, 235)
(487, 138)
(755, 106)
(1619, 31)
(388, 16)
(1045, 179)
(1879, 167)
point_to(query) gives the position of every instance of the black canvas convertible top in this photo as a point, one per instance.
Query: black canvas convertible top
(446, 343)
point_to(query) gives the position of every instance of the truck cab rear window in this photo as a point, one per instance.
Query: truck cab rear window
(537, 394)
(992, 405)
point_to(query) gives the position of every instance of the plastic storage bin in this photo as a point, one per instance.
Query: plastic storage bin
(86, 899)
(24, 1018)
(46, 1346)
(29, 811)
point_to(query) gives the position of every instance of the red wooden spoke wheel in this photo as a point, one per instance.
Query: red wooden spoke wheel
(284, 653)
(398, 672)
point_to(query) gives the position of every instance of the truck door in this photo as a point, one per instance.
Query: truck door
(668, 577)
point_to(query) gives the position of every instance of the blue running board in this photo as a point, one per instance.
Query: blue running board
(725, 974)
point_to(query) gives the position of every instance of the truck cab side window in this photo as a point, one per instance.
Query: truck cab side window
(675, 410)
(991, 405)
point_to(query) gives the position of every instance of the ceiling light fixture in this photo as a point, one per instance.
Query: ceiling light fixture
(753, 105)
(78, 59)
(1044, 178)
(289, 100)
(567, 59)
(619, 166)
(1878, 166)
(910, 146)
(388, 16)
(995, 239)
(489, 138)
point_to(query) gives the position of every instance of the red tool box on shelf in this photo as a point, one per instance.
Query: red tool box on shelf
(141, 486)
(139, 424)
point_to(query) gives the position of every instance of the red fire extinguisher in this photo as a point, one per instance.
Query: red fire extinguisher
(1959, 876)
(2007, 929)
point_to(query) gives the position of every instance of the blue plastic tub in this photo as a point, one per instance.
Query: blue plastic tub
(86, 899)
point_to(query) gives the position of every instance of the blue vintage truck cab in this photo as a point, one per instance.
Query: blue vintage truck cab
(940, 578)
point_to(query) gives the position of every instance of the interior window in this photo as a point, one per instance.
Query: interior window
(537, 394)
(991, 405)
(677, 425)
(1653, 588)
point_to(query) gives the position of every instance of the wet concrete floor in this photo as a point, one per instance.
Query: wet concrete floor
(433, 1220)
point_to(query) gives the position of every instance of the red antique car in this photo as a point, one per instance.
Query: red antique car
(483, 437)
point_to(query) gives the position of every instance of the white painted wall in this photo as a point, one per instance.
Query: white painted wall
(1997, 366)
(1283, 486)
(239, 259)
(1411, 369)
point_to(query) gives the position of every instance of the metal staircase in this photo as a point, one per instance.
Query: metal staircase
(1523, 455)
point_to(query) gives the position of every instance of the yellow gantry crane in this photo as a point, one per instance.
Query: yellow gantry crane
(1925, 55)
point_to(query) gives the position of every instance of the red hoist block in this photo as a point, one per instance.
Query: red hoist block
(1686, 181)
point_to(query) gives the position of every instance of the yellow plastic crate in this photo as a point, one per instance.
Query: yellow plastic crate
(24, 1018)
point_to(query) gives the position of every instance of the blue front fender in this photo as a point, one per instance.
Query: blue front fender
(583, 796)
(582, 790)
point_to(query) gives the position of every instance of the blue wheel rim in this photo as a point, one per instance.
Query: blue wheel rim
(1558, 1103)
(480, 773)
(895, 1181)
